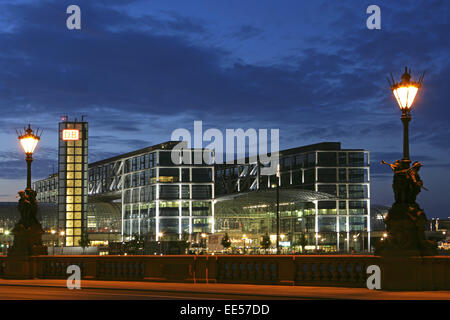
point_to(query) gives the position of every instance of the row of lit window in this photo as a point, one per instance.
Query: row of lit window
(73, 215)
(74, 175)
(73, 207)
(70, 241)
(74, 159)
(74, 167)
(77, 151)
(73, 223)
(74, 191)
(77, 143)
(74, 199)
(74, 183)
(73, 231)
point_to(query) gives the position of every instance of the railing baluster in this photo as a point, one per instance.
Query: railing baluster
(299, 271)
(316, 271)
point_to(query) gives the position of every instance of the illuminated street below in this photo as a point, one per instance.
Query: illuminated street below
(117, 290)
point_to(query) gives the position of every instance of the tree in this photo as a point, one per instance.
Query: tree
(136, 244)
(265, 242)
(84, 241)
(302, 242)
(226, 242)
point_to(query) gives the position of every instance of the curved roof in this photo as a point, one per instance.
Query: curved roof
(106, 209)
(269, 197)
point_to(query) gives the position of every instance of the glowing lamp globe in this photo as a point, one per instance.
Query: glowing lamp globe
(405, 91)
(28, 141)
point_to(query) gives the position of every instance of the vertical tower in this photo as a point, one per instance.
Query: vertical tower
(72, 179)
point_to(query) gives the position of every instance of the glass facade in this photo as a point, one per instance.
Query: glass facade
(160, 196)
(336, 225)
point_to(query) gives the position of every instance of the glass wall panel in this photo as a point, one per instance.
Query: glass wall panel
(357, 207)
(327, 159)
(327, 224)
(168, 225)
(356, 159)
(168, 208)
(201, 175)
(201, 192)
(327, 188)
(201, 208)
(326, 175)
(357, 223)
(169, 192)
(201, 225)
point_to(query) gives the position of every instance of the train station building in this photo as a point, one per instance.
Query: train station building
(324, 196)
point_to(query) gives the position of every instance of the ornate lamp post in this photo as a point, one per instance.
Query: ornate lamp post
(27, 231)
(405, 91)
(405, 221)
(28, 141)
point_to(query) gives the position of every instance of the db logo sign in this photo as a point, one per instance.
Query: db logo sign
(71, 134)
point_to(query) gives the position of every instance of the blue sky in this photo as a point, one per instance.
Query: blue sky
(141, 69)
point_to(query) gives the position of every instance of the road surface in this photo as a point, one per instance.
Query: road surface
(136, 290)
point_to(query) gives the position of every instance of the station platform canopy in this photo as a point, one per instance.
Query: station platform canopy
(268, 198)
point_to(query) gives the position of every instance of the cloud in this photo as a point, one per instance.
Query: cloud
(247, 32)
(139, 74)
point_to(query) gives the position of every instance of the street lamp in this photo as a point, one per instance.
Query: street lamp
(405, 221)
(203, 235)
(160, 235)
(62, 234)
(28, 140)
(244, 237)
(405, 92)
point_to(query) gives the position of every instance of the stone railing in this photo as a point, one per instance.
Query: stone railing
(428, 273)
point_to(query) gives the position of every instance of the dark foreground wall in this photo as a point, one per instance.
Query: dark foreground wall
(428, 273)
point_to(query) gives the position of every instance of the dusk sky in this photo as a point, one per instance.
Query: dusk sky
(141, 69)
